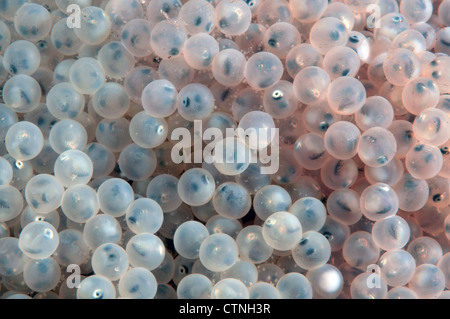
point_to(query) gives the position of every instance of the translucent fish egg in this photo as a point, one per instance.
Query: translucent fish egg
(376, 147)
(232, 17)
(310, 85)
(8, 118)
(71, 249)
(263, 290)
(39, 240)
(114, 196)
(252, 246)
(341, 140)
(327, 33)
(111, 101)
(44, 193)
(135, 37)
(95, 25)
(101, 229)
(335, 232)
(403, 134)
(411, 192)
(280, 37)
(229, 288)
(195, 102)
(188, 237)
(160, 10)
(163, 189)
(344, 206)
(389, 174)
(14, 261)
(432, 127)
(311, 213)
(231, 200)
(346, 95)
(145, 250)
(113, 133)
(294, 286)
(110, 260)
(390, 25)
(424, 161)
(200, 50)
(73, 167)
(96, 287)
(153, 104)
(137, 163)
(21, 57)
(400, 66)
(391, 233)
(271, 199)
(272, 12)
(138, 283)
(428, 281)
(360, 250)
(419, 94)
(397, 267)
(24, 141)
(228, 67)
(218, 252)
(244, 271)
(401, 293)
(379, 201)
(282, 230)
(167, 39)
(194, 286)
(102, 158)
(263, 69)
(417, 11)
(64, 39)
(231, 156)
(21, 93)
(337, 174)
(410, 39)
(63, 101)
(10, 8)
(376, 289)
(244, 101)
(116, 60)
(377, 111)
(42, 275)
(33, 22)
(443, 11)
(425, 250)
(312, 251)
(307, 11)
(144, 215)
(302, 56)
(196, 186)
(177, 71)
(87, 75)
(341, 62)
(173, 219)
(326, 281)
(259, 127)
(198, 16)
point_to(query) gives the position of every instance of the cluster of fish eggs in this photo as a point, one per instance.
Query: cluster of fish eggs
(93, 206)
